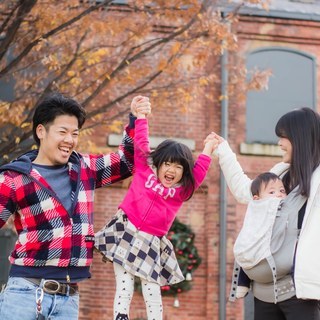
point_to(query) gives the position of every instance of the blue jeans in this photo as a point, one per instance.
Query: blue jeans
(18, 301)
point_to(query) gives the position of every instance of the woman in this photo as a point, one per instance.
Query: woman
(299, 139)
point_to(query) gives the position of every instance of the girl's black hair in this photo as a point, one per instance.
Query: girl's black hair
(173, 151)
(54, 105)
(302, 128)
(260, 180)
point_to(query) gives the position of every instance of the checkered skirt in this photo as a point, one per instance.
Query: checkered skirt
(141, 254)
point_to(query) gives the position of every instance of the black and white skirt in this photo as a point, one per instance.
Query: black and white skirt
(141, 254)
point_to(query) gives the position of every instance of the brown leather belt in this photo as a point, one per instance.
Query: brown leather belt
(56, 287)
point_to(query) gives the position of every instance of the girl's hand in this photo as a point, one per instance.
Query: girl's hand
(211, 143)
(215, 136)
(140, 106)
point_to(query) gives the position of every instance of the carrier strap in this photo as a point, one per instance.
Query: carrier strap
(235, 279)
(273, 268)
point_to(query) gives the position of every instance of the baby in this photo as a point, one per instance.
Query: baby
(265, 185)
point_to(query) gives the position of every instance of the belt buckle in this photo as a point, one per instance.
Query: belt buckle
(48, 290)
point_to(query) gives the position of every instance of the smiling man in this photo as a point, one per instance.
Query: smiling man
(50, 193)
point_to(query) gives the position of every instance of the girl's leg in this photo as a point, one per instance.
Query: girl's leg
(152, 297)
(124, 292)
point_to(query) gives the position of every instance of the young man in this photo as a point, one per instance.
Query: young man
(50, 193)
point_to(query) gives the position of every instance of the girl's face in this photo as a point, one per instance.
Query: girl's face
(286, 147)
(170, 173)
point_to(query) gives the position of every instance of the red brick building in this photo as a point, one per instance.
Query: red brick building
(284, 39)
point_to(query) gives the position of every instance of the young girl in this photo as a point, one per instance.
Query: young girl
(135, 237)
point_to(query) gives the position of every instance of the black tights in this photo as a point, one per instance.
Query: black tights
(291, 309)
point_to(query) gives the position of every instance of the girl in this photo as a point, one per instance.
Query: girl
(299, 139)
(134, 240)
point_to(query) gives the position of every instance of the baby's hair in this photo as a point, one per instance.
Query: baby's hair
(262, 179)
(173, 151)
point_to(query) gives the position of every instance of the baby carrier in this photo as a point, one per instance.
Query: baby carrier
(265, 246)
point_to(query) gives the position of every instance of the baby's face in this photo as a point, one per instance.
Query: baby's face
(273, 188)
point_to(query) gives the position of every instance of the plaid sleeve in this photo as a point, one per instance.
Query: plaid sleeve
(7, 198)
(116, 166)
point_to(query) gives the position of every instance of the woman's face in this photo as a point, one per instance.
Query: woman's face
(286, 147)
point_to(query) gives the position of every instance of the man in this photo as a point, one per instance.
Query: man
(50, 193)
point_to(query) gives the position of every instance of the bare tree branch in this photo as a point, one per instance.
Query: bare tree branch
(24, 8)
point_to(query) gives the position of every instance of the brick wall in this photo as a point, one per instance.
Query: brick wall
(202, 212)
(255, 33)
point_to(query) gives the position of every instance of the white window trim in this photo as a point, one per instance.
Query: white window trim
(259, 149)
(115, 139)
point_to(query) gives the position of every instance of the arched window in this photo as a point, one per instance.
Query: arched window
(292, 85)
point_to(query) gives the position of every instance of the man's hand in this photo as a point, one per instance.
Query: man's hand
(140, 106)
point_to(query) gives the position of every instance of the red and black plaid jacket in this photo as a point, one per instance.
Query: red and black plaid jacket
(47, 234)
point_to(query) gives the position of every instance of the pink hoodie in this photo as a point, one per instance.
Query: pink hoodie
(149, 205)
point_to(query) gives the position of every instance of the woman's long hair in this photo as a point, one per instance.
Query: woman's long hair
(173, 151)
(302, 128)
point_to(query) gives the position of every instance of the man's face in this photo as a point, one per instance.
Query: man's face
(57, 140)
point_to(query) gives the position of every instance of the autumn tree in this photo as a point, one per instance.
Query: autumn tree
(102, 53)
